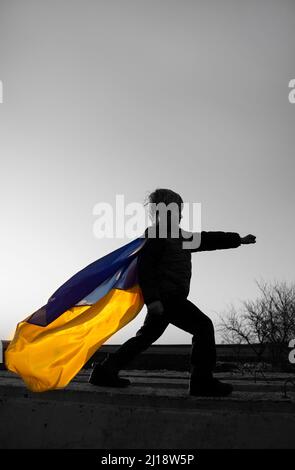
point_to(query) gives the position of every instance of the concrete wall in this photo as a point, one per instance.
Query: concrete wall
(155, 411)
(84, 419)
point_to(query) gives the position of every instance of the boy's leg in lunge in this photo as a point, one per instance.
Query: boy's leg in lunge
(106, 372)
(152, 328)
(187, 316)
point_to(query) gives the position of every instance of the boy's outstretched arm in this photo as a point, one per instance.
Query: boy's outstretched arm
(207, 241)
(248, 239)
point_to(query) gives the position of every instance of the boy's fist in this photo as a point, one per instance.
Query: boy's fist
(248, 239)
(155, 307)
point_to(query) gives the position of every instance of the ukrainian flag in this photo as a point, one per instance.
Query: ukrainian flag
(51, 345)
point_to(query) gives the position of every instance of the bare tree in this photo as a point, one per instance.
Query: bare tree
(266, 322)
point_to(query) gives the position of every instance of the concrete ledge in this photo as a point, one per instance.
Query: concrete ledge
(154, 412)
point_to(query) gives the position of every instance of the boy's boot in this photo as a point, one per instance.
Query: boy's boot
(205, 385)
(106, 374)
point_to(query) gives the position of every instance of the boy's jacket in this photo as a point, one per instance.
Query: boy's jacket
(164, 265)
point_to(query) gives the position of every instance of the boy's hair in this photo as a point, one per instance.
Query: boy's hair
(163, 195)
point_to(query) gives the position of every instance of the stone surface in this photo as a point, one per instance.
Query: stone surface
(156, 411)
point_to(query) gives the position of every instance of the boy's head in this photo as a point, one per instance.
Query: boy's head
(162, 198)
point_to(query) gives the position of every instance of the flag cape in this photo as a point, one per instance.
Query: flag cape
(50, 346)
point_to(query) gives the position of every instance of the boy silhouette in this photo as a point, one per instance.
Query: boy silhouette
(164, 273)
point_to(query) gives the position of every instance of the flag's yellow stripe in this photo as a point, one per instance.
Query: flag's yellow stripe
(49, 357)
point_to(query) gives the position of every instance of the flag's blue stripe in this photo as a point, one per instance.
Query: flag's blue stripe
(108, 263)
(129, 276)
(101, 290)
(123, 279)
(99, 273)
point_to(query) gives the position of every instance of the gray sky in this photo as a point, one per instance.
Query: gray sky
(119, 97)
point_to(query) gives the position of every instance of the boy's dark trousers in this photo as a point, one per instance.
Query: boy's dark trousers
(185, 315)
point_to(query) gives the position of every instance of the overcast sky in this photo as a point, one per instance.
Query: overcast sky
(120, 97)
